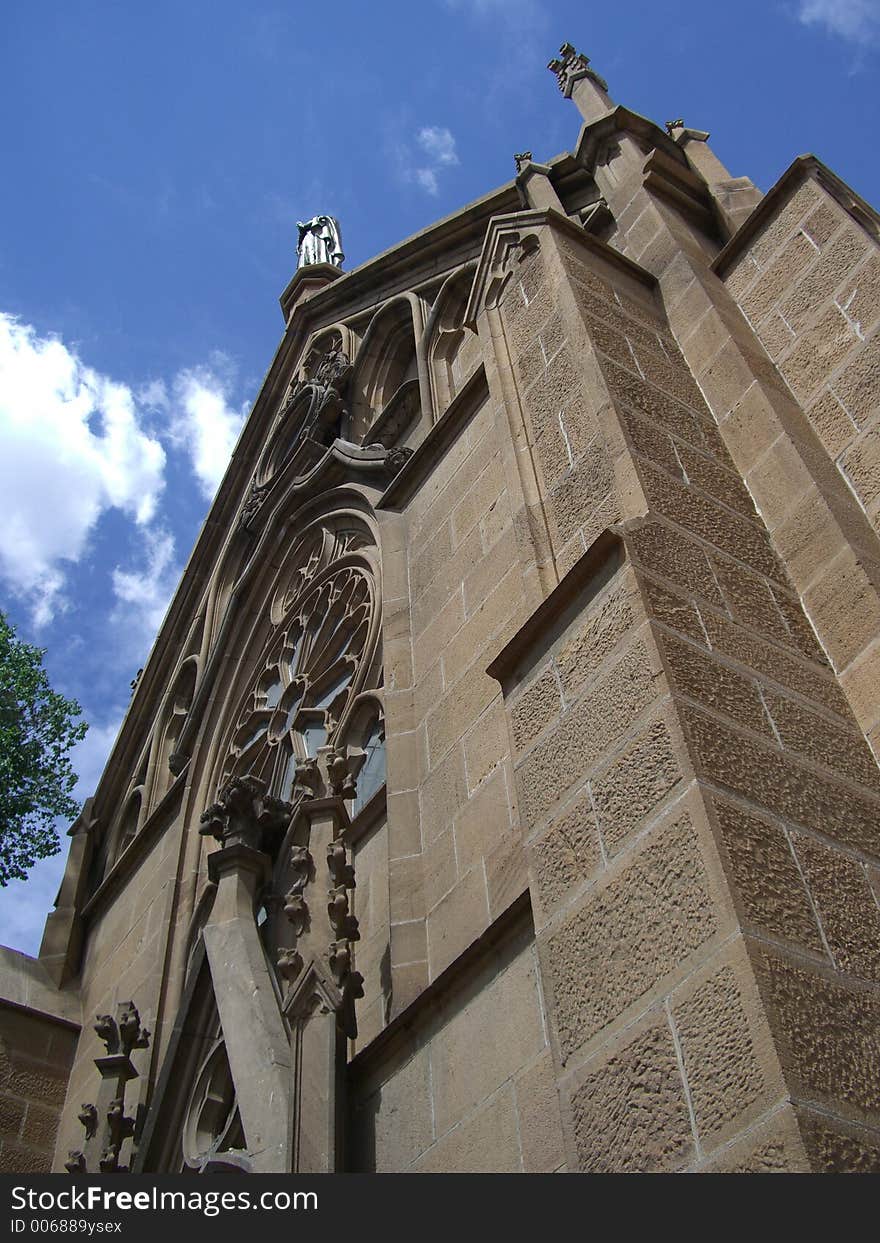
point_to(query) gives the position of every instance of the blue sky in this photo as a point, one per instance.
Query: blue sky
(156, 159)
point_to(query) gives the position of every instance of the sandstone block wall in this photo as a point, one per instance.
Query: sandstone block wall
(808, 282)
(471, 1087)
(36, 1053)
(700, 667)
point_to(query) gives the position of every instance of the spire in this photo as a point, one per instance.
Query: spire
(579, 82)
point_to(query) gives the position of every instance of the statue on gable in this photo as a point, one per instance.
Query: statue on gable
(320, 241)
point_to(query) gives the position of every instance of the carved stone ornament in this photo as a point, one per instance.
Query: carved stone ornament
(246, 815)
(397, 458)
(88, 1116)
(570, 65)
(120, 1035)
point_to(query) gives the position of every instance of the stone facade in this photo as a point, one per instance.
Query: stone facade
(501, 791)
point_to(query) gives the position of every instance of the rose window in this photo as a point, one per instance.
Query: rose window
(310, 680)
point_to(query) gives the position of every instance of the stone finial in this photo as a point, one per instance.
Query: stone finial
(520, 159)
(570, 65)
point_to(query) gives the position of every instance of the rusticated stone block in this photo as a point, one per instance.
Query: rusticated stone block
(610, 340)
(767, 778)
(559, 381)
(607, 621)
(858, 385)
(565, 756)
(718, 482)
(835, 1148)
(846, 906)
(664, 411)
(750, 600)
(819, 350)
(628, 790)
(629, 1113)
(814, 736)
(766, 878)
(629, 933)
(861, 465)
(861, 295)
(534, 709)
(826, 1035)
(775, 281)
(702, 677)
(581, 491)
(725, 1079)
(673, 610)
(774, 233)
(682, 561)
(748, 649)
(673, 378)
(567, 854)
(774, 1147)
(821, 223)
(819, 284)
(832, 423)
(709, 521)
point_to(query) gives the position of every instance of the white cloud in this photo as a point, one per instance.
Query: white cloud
(143, 594)
(202, 421)
(855, 20)
(71, 447)
(422, 168)
(438, 144)
(427, 179)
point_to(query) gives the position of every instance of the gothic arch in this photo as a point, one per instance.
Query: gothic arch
(452, 348)
(386, 361)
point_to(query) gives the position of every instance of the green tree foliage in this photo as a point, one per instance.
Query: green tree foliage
(37, 730)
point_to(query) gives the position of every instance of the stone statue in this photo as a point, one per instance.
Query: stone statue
(319, 241)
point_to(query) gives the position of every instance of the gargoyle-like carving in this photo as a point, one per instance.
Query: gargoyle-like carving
(350, 983)
(339, 775)
(521, 158)
(290, 964)
(397, 458)
(109, 1161)
(570, 65)
(131, 1034)
(246, 815)
(341, 871)
(345, 925)
(88, 1116)
(307, 779)
(108, 1032)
